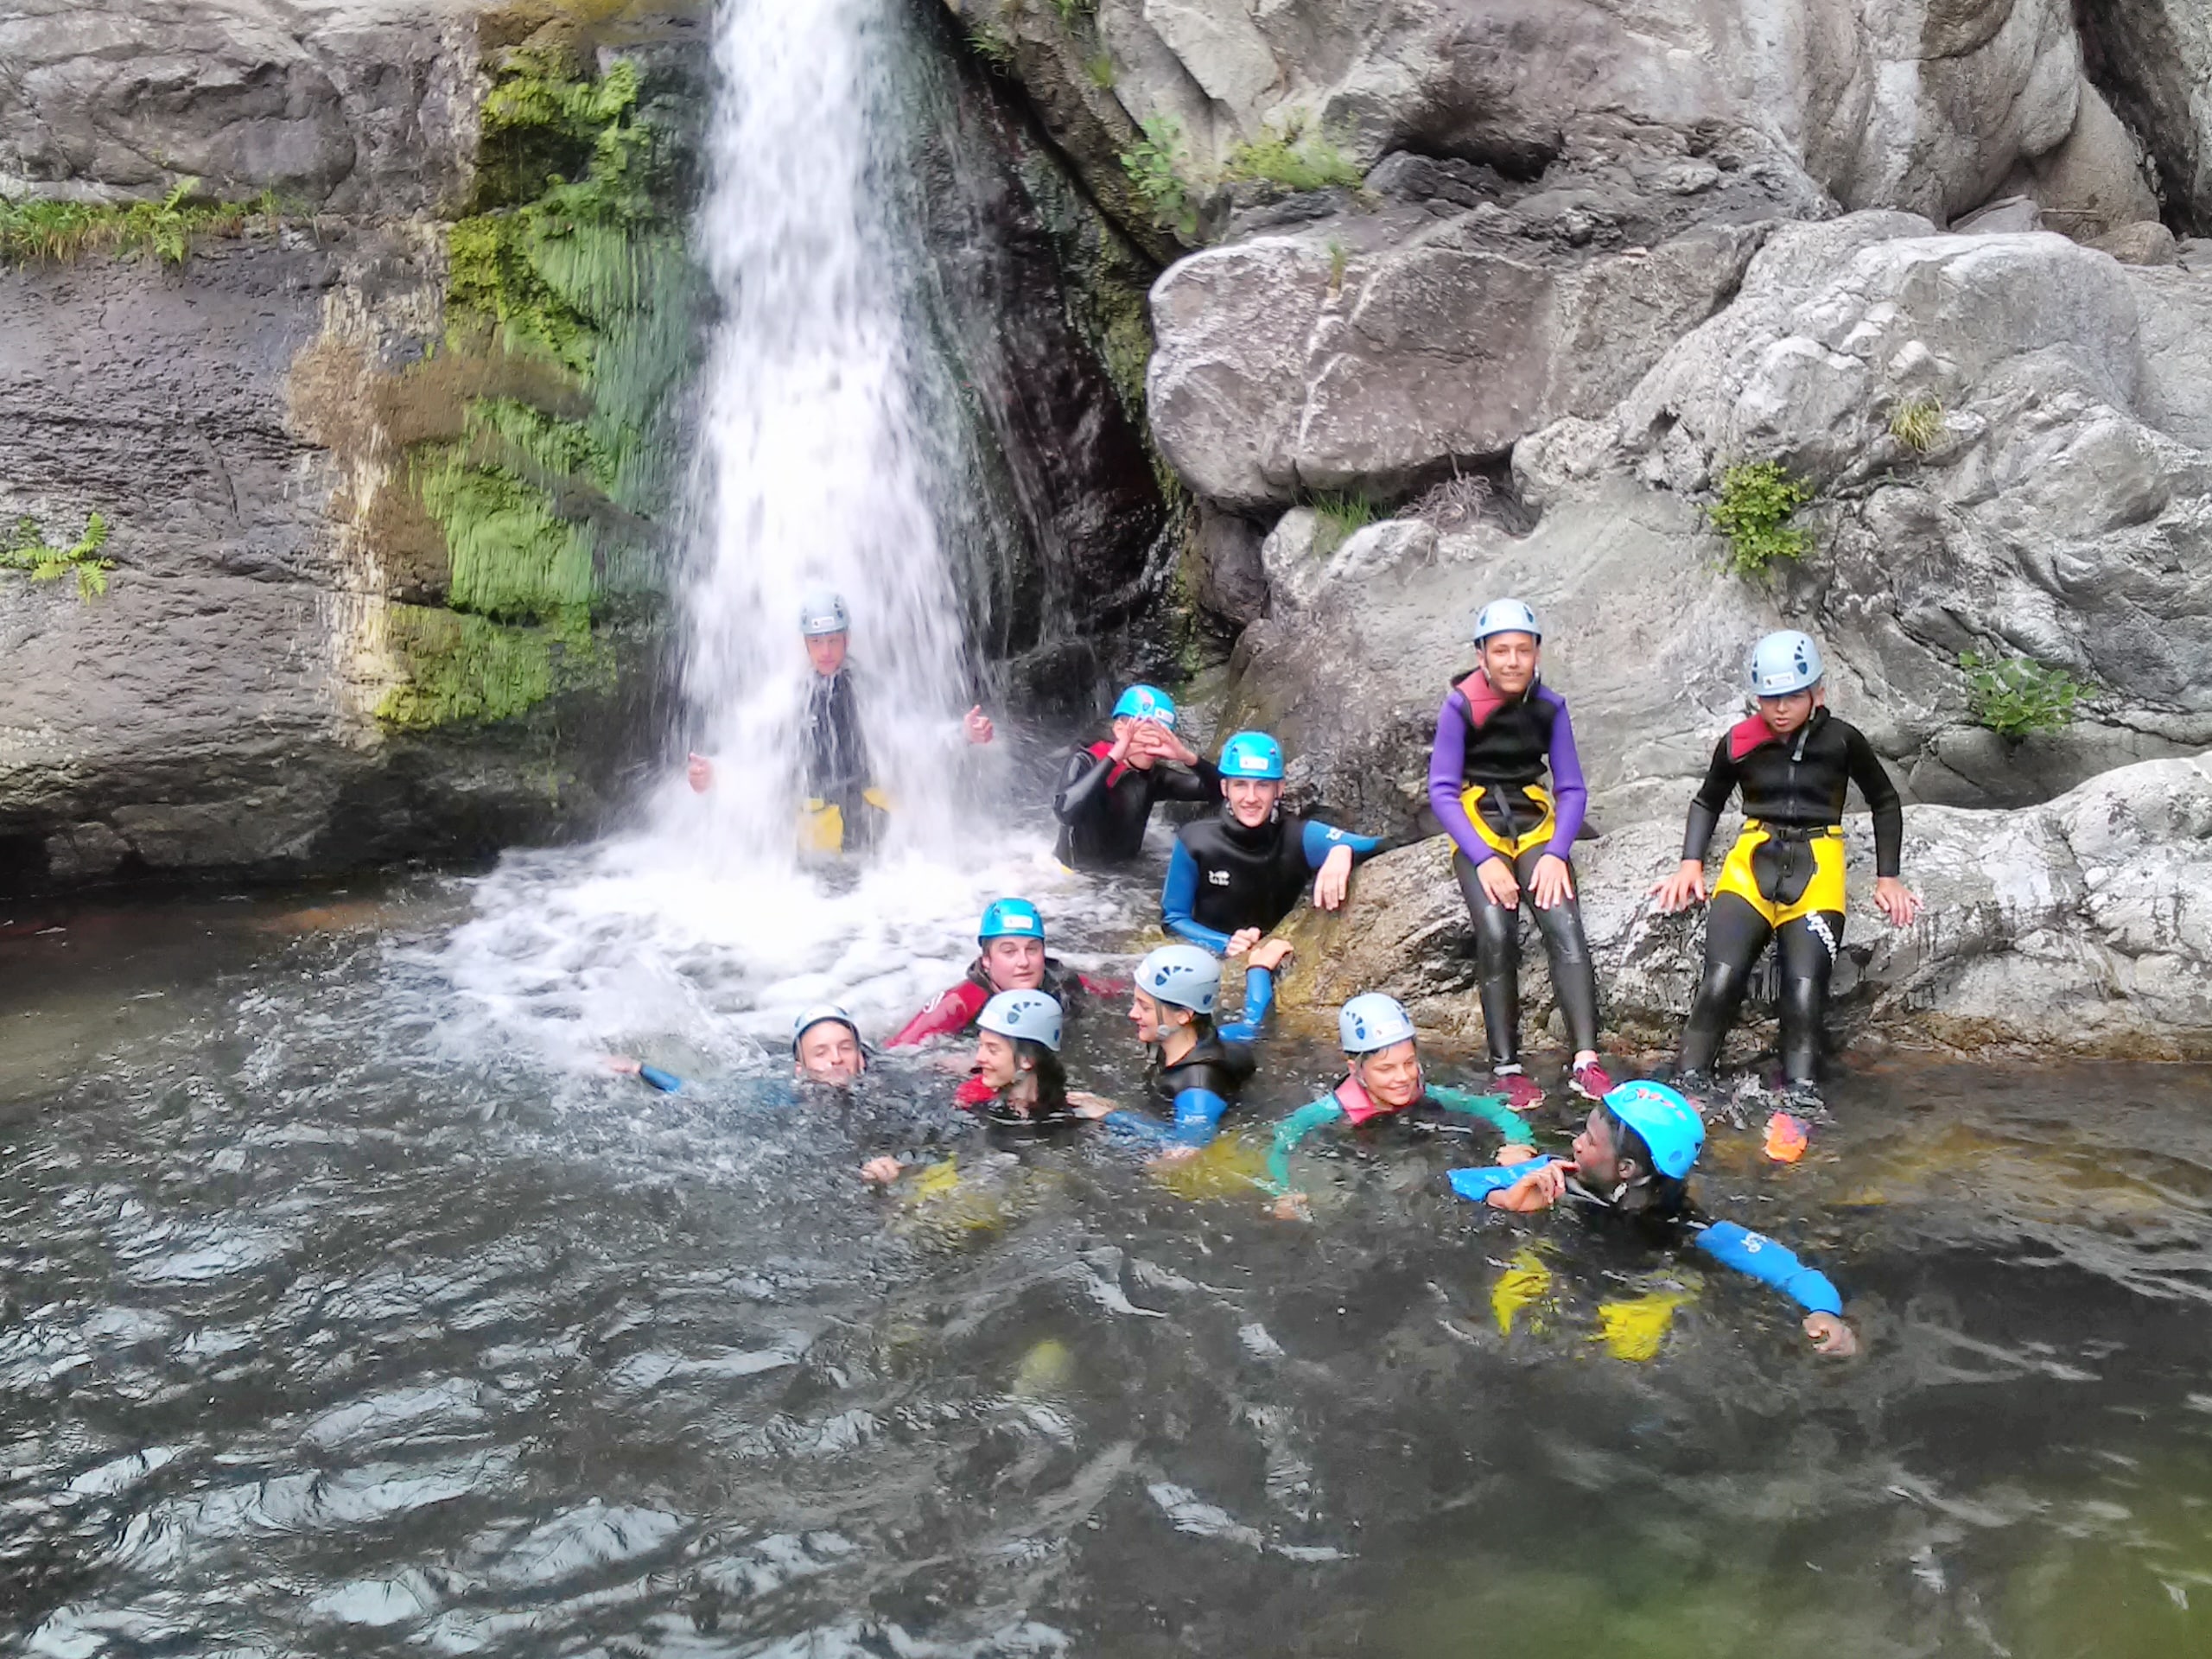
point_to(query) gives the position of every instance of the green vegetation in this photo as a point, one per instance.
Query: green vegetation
(1100, 67)
(1917, 423)
(1342, 517)
(463, 668)
(993, 45)
(25, 548)
(1072, 12)
(1156, 165)
(1757, 500)
(2017, 696)
(1296, 156)
(57, 231)
(1339, 256)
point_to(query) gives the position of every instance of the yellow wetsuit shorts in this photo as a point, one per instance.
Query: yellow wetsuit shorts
(1511, 846)
(1742, 874)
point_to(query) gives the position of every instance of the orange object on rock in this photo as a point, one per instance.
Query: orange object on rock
(1785, 1138)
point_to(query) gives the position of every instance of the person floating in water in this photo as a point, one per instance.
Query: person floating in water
(1107, 792)
(1784, 878)
(1011, 957)
(843, 809)
(1632, 1160)
(1385, 1083)
(1500, 731)
(826, 1050)
(1018, 1062)
(1233, 874)
(1197, 1070)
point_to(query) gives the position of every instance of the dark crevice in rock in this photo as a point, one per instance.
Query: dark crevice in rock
(2131, 53)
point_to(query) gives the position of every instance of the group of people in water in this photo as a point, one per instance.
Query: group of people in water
(1505, 782)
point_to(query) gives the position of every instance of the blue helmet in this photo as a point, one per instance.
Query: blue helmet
(1182, 975)
(1506, 616)
(1371, 1022)
(809, 1018)
(1669, 1125)
(1025, 1016)
(1145, 703)
(1251, 754)
(1015, 919)
(822, 612)
(1783, 662)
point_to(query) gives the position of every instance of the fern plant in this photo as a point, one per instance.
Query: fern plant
(26, 548)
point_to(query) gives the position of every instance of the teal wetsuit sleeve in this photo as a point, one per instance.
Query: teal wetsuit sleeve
(1180, 897)
(1259, 998)
(1292, 1130)
(1477, 1185)
(1770, 1263)
(1491, 1108)
(1320, 840)
(667, 1082)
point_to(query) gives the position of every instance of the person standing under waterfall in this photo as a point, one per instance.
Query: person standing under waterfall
(1500, 732)
(1107, 792)
(842, 810)
(1784, 878)
(1235, 873)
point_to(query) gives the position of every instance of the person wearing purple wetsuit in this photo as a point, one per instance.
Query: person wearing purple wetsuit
(1500, 731)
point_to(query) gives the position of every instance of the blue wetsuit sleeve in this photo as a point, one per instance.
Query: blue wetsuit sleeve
(667, 1082)
(1476, 1185)
(1771, 1264)
(1322, 839)
(1292, 1130)
(1198, 1118)
(1179, 896)
(1259, 998)
(1491, 1108)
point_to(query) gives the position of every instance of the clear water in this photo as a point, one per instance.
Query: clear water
(333, 1327)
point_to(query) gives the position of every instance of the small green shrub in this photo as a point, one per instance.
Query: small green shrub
(1757, 499)
(1071, 11)
(1342, 516)
(2017, 696)
(25, 549)
(1917, 423)
(1155, 166)
(993, 45)
(1100, 68)
(1294, 158)
(1339, 256)
(57, 231)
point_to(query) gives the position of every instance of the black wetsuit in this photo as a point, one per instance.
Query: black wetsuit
(1196, 1092)
(837, 772)
(1794, 788)
(1224, 877)
(1103, 807)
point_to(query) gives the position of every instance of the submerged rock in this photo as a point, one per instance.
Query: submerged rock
(2083, 926)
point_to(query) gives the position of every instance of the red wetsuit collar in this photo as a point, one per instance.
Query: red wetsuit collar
(1753, 733)
(1101, 750)
(1483, 699)
(1353, 1100)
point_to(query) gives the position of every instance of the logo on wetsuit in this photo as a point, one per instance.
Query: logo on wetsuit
(1219, 878)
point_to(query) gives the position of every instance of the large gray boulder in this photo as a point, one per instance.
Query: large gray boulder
(2082, 926)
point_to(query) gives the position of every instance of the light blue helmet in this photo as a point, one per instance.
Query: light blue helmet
(809, 1018)
(1785, 662)
(823, 611)
(1145, 703)
(1506, 616)
(1025, 1016)
(1371, 1022)
(1251, 754)
(1181, 975)
(1669, 1125)
(1011, 919)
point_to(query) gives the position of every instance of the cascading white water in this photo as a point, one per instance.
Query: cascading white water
(702, 933)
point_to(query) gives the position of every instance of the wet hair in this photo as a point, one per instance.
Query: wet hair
(1051, 1105)
(1659, 1195)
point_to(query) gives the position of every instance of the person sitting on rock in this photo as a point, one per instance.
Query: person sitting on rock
(1385, 1083)
(1500, 731)
(1107, 792)
(842, 810)
(826, 1050)
(1235, 873)
(1784, 878)
(1632, 1160)
(1011, 957)
(1018, 1063)
(1196, 1069)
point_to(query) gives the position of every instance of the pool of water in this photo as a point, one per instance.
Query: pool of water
(341, 1317)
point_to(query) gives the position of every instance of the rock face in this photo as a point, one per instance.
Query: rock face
(2083, 926)
(2152, 57)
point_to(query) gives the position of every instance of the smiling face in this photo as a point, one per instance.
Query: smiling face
(1510, 662)
(996, 1062)
(1014, 964)
(829, 1051)
(1155, 1021)
(1391, 1076)
(1783, 716)
(1251, 800)
(826, 651)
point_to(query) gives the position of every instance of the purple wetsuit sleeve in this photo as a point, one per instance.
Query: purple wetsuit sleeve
(1448, 772)
(1569, 792)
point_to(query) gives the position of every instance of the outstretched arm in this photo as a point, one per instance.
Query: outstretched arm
(1320, 840)
(1292, 1130)
(1491, 1109)
(944, 1014)
(1259, 998)
(1179, 896)
(1771, 1264)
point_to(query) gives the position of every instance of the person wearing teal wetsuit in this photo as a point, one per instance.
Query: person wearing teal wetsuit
(1632, 1160)
(1384, 1081)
